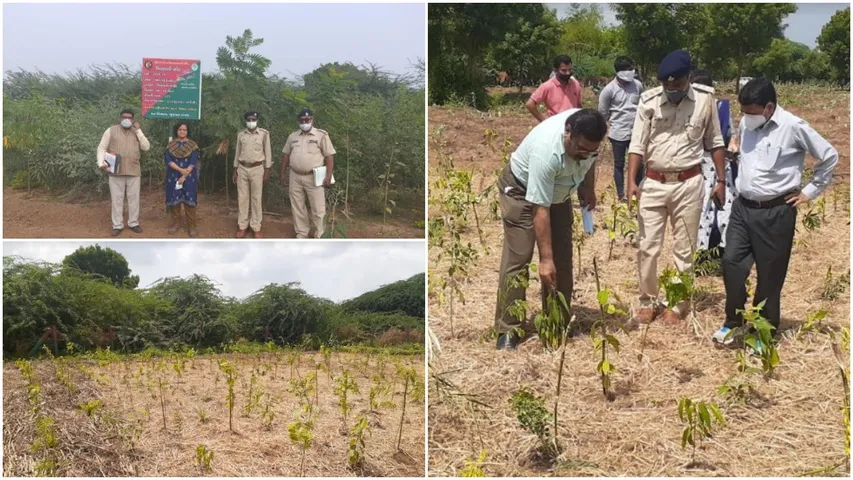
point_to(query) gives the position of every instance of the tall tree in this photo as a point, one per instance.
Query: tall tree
(652, 30)
(103, 262)
(834, 39)
(782, 61)
(245, 78)
(741, 31)
(459, 37)
(526, 52)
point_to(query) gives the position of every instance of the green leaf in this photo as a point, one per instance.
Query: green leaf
(704, 415)
(685, 437)
(603, 296)
(387, 209)
(613, 341)
(717, 414)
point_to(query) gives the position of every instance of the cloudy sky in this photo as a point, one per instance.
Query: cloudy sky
(333, 270)
(297, 37)
(803, 26)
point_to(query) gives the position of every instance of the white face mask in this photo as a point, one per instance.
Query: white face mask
(251, 124)
(126, 123)
(626, 75)
(753, 122)
(305, 126)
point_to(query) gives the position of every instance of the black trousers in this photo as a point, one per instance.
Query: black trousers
(763, 236)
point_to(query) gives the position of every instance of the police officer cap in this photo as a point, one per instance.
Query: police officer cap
(674, 66)
(250, 113)
(306, 112)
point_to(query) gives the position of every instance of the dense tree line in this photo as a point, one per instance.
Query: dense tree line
(470, 43)
(53, 123)
(406, 296)
(97, 305)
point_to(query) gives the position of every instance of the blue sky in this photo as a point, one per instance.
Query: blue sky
(333, 270)
(803, 26)
(297, 37)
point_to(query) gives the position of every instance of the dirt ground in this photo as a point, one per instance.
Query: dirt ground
(126, 436)
(44, 215)
(793, 426)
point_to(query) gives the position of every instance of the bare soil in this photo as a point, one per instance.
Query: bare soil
(792, 426)
(126, 437)
(45, 215)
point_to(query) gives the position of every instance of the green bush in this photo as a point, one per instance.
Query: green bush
(178, 313)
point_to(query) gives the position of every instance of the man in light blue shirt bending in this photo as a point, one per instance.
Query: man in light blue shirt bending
(761, 226)
(554, 160)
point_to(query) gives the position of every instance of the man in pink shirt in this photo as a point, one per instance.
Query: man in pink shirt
(560, 93)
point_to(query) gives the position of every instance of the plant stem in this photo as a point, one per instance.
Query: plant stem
(693, 434)
(162, 403)
(643, 340)
(403, 414)
(613, 240)
(559, 384)
(451, 308)
(387, 184)
(579, 259)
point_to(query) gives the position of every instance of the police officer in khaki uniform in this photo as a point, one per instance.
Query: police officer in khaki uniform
(675, 124)
(253, 152)
(306, 149)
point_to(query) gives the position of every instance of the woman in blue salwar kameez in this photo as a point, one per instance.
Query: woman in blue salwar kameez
(182, 179)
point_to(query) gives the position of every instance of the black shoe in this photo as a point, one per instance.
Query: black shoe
(136, 229)
(507, 341)
(116, 232)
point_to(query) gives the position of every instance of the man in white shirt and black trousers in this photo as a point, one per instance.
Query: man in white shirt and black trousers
(764, 215)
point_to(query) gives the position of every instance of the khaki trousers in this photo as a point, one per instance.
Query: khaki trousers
(519, 240)
(302, 188)
(681, 204)
(250, 190)
(121, 186)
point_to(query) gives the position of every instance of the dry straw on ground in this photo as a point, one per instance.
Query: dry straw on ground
(103, 445)
(795, 427)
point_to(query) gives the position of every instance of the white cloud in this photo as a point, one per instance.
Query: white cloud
(336, 270)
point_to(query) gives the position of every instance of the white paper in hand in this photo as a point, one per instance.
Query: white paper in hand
(320, 175)
(179, 185)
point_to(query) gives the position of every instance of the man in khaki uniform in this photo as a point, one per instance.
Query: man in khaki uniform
(253, 152)
(675, 124)
(126, 140)
(305, 150)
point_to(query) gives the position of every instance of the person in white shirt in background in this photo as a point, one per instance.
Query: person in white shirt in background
(618, 103)
(773, 146)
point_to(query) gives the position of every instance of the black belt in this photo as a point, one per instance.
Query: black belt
(774, 202)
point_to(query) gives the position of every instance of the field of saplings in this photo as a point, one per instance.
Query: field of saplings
(252, 410)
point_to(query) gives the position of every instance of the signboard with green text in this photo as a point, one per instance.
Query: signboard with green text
(171, 89)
